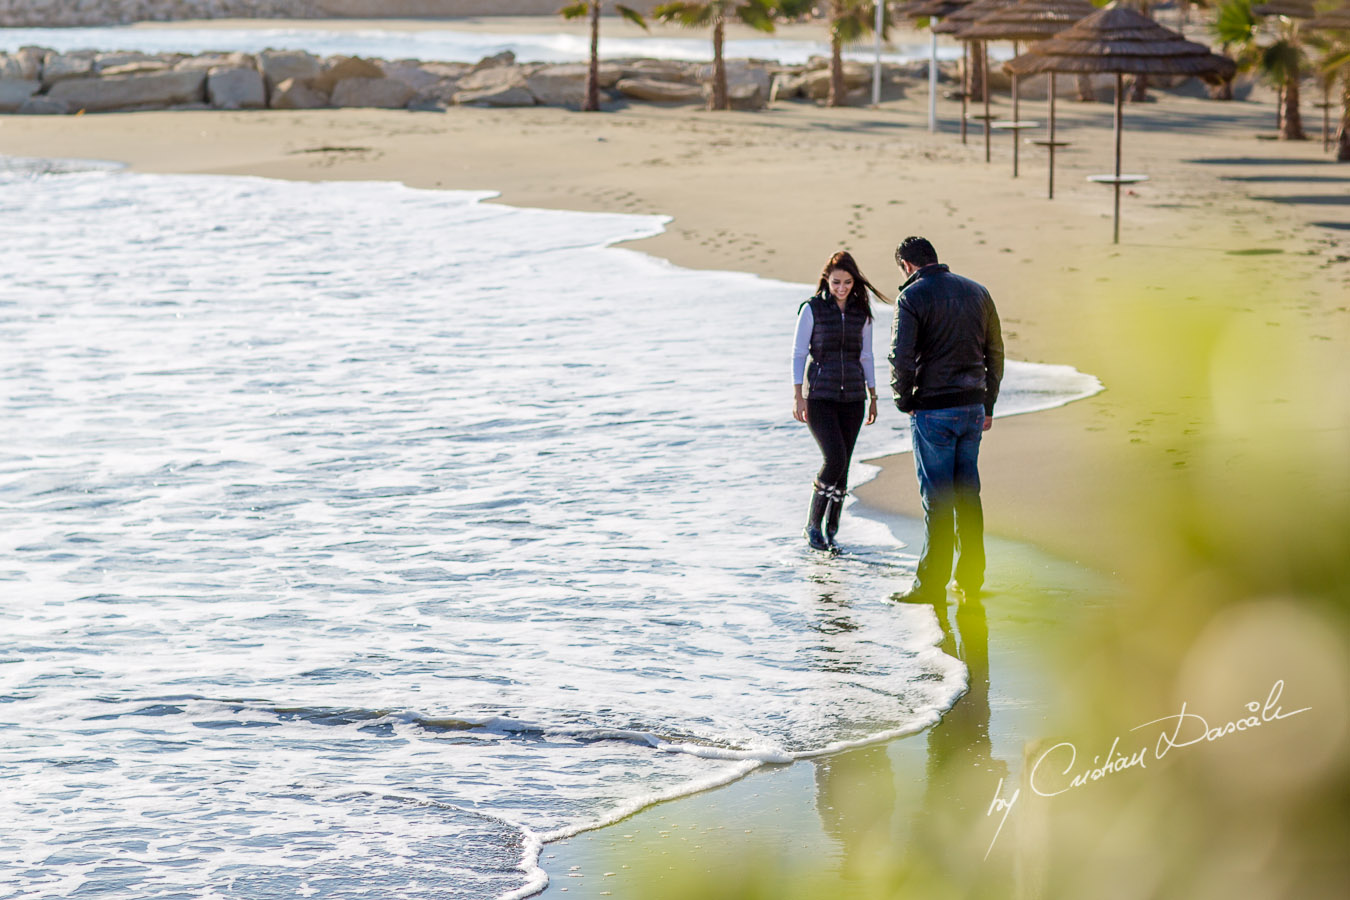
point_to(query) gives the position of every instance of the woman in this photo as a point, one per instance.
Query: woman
(835, 331)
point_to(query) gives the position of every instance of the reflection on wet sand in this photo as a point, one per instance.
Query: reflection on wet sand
(943, 832)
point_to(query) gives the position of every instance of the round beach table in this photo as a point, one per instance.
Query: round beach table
(1116, 181)
(1015, 127)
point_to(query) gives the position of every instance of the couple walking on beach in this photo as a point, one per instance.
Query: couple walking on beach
(946, 360)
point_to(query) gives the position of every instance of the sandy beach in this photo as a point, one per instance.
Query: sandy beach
(1219, 318)
(1224, 214)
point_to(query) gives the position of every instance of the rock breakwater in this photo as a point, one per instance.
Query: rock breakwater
(42, 81)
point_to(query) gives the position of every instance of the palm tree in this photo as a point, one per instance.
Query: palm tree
(758, 14)
(849, 21)
(1233, 27)
(1336, 61)
(592, 8)
(1281, 60)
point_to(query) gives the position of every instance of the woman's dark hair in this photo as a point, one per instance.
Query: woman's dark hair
(916, 251)
(843, 260)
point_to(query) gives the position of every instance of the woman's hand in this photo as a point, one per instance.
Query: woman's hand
(871, 410)
(799, 408)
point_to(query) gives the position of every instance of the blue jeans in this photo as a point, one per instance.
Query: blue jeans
(946, 457)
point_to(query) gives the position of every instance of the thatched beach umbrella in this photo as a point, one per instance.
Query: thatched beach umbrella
(1030, 20)
(959, 20)
(1120, 41)
(1290, 9)
(934, 11)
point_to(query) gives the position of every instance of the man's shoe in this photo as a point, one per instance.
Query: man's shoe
(967, 595)
(916, 596)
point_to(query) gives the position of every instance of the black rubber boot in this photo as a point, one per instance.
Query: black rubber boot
(832, 511)
(819, 498)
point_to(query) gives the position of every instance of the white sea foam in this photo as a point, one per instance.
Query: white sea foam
(444, 44)
(356, 539)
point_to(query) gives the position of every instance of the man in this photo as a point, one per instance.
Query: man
(946, 365)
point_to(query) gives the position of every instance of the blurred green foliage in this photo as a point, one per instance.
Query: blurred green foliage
(1233, 526)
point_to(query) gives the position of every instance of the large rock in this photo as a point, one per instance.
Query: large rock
(31, 59)
(208, 61)
(816, 83)
(141, 67)
(786, 86)
(447, 70)
(279, 65)
(11, 69)
(748, 86)
(131, 91)
(43, 106)
(659, 70)
(566, 85)
(13, 93)
(502, 95)
(493, 79)
(61, 66)
(653, 91)
(745, 96)
(435, 97)
(410, 73)
(340, 68)
(500, 60)
(380, 93)
(237, 88)
(295, 93)
(105, 61)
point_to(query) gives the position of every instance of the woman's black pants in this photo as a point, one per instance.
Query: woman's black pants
(835, 425)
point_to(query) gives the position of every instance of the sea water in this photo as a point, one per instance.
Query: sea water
(356, 539)
(442, 44)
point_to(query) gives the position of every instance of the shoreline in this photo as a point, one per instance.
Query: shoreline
(795, 808)
(771, 193)
(1059, 286)
(905, 530)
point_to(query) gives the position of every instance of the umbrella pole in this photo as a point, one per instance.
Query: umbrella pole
(932, 79)
(984, 72)
(1052, 136)
(1017, 143)
(876, 69)
(965, 86)
(1326, 113)
(1119, 118)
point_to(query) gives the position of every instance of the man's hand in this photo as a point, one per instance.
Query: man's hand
(988, 422)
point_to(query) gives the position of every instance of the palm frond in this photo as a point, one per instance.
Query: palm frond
(1281, 59)
(859, 19)
(577, 10)
(690, 15)
(758, 14)
(849, 28)
(632, 15)
(1235, 23)
(1335, 62)
(794, 9)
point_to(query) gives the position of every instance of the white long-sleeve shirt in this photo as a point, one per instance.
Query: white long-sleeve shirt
(801, 348)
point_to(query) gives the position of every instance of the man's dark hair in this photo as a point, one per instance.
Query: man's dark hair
(916, 251)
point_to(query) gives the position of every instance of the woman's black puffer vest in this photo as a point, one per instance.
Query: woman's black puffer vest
(835, 372)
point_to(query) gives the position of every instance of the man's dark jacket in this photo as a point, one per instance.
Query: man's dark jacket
(946, 346)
